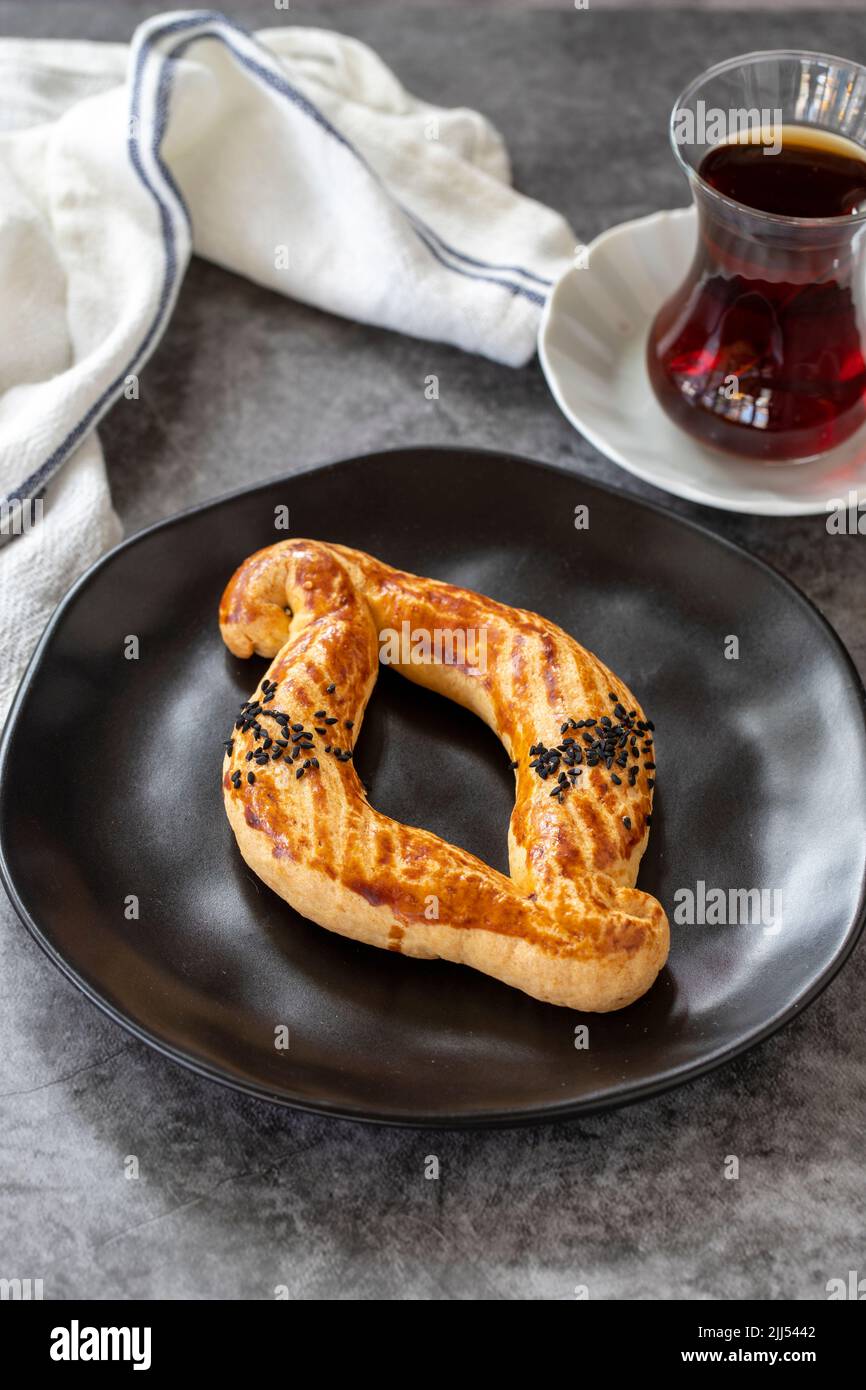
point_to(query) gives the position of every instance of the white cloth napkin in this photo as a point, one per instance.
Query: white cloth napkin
(293, 157)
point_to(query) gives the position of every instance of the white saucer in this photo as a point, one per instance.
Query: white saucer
(591, 344)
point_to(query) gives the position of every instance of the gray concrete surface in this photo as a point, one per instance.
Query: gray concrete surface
(235, 1197)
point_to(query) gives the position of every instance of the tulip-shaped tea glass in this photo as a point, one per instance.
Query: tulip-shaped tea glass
(761, 350)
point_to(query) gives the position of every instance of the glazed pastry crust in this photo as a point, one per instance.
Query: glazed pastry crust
(568, 926)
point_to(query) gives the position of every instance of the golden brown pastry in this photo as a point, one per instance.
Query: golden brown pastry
(568, 926)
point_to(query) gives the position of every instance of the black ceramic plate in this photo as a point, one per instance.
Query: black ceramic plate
(110, 787)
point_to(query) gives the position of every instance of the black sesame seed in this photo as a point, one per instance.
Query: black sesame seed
(299, 774)
(320, 714)
(513, 763)
(314, 762)
(651, 766)
(332, 720)
(611, 696)
(563, 728)
(251, 777)
(617, 781)
(626, 822)
(329, 690)
(350, 724)
(319, 731)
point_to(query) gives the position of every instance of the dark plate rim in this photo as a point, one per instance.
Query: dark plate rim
(481, 1119)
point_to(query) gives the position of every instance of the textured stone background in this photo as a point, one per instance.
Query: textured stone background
(235, 1196)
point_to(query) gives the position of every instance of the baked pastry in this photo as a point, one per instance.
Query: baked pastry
(568, 926)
